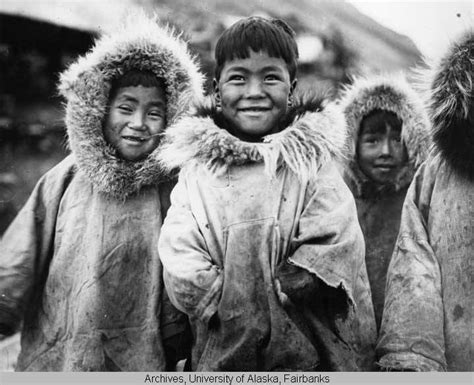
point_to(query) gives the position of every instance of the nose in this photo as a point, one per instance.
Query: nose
(254, 88)
(386, 148)
(137, 121)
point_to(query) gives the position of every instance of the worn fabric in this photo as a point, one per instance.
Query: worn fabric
(238, 211)
(379, 207)
(79, 267)
(427, 323)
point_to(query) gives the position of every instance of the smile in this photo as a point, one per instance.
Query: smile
(254, 109)
(136, 139)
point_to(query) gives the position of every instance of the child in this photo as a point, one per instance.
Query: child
(79, 265)
(261, 247)
(427, 321)
(389, 132)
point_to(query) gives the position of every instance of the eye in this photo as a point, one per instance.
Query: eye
(272, 78)
(156, 114)
(125, 108)
(236, 78)
(397, 139)
(370, 139)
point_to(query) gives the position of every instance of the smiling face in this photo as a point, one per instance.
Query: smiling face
(135, 120)
(254, 94)
(380, 150)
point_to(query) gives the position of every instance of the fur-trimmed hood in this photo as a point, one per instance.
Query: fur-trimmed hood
(391, 93)
(314, 133)
(140, 43)
(450, 103)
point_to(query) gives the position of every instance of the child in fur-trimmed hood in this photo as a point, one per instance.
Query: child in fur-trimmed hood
(261, 246)
(79, 266)
(389, 139)
(427, 321)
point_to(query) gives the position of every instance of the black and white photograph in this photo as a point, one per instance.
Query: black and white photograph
(237, 192)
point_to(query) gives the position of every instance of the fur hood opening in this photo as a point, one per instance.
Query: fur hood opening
(450, 103)
(313, 133)
(141, 44)
(392, 93)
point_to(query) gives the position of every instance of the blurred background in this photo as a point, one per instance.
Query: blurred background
(336, 39)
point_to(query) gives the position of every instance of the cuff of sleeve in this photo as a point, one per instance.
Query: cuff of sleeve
(208, 305)
(409, 361)
(8, 321)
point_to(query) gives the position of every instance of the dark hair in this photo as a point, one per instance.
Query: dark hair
(273, 36)
(376, 120)
(135, 78)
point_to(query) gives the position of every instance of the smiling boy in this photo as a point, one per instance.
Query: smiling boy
(261, 247)
(136, 116)
(79, 267)
(388, 129)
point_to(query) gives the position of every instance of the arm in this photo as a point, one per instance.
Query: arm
(412, 334)
(193, 281)
(26, 248)
(329, 243)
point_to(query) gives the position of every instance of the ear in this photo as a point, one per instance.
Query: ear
(215, 87)
(293, 85)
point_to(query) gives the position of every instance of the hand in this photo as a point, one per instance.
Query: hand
(297, 283)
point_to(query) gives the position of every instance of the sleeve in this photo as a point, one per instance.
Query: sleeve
(192, 279)
(329, 242)
(411, 335)
(26, 248)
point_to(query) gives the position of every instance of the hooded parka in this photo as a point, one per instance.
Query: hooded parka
(79, 264)
(379, 207)
(238, 211)
(427, 322)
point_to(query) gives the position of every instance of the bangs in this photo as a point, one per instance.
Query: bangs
(136, 78)
(376, 121)
(271, 36)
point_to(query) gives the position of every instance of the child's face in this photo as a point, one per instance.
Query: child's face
(254, 93)
(134, 121)
(381, 152)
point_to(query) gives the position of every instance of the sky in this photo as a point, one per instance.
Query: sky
(432, 25)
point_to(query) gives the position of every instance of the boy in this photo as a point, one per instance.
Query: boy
(261, 247)
(427, 321)
(389, 130)
(79, 265)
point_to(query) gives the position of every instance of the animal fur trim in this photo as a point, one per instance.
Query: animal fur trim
(389, 92)
(450, 104)
(140, 43)
(315, 134)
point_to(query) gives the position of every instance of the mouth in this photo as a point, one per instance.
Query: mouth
(385, 167)
(136, 139)
(254, 109)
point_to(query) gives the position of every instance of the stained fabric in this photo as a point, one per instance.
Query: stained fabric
(79, 266)
(427, 322)
(379, 207)
(233, 220)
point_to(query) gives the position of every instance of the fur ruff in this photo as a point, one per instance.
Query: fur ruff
(391, 93)
(313, 134)
(140, 43)
(450, 104)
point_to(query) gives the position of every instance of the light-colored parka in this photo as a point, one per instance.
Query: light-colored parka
(238, 211)
(379, 207)
(79, 264)
(427, 323)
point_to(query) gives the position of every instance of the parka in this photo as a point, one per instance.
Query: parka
(379, 207)
(427, 322)
(240, 209)
(79, 266)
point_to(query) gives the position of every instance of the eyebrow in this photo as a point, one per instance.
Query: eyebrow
(130, 98)
(263, 69)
